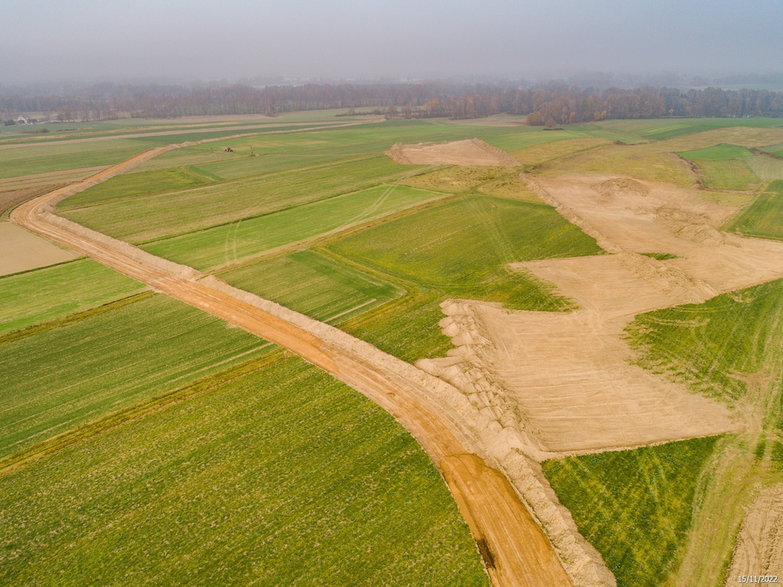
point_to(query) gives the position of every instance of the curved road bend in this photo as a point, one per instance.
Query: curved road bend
(513, 546)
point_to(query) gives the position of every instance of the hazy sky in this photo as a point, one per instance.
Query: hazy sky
(47, 40)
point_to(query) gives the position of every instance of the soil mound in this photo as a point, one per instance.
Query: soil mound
(620, 186)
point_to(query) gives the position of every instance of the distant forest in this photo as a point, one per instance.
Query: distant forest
(548, 105)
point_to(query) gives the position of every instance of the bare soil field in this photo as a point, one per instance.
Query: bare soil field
(469, 153)
(759, 549)
(568, 380)
(23, 250)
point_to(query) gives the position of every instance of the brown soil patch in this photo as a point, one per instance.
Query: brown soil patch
(469, 153)
(567, 380)
(759, 549)
(23, 250)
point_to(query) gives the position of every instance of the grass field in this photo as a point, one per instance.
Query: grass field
(728, 348)
(764, 217)
(665, 129)
(231, 242)
(406, 328)
(314, 284)
(191, 452)
(634, 506)
(492, 181)
(282, 151)
(637, 161)
(724, 167)
(707, 345)
(460, 249)
(62, 377)
(151, 217)
(131, 185)
(538, 154)
(776, 150)
(283, 477)
(53, 292)
(48, 158)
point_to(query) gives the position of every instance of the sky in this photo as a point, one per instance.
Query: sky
(189, 40)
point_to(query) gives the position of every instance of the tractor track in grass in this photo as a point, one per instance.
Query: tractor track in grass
(514, 547)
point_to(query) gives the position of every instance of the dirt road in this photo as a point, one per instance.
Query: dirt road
(515, 549)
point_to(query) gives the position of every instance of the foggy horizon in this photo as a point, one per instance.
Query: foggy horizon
(183, 42)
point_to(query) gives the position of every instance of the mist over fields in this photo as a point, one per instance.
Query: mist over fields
(178, 41)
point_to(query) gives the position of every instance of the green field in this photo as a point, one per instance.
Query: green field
(132, 185)
(150, 217)
(634, 506)
(63, 377)
(664, 129)
(639, 161)
(724, 167)
(284, 151)
(460, 249)
(776, 150)
(406, 328)
(48, 158)
(707, 345)
(283, 477)
(764, 217)
(146, 442)
(54, 292)
(315, 285)
(230, 243)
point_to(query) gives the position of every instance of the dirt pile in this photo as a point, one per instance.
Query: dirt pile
(468, 152)
(620, 186)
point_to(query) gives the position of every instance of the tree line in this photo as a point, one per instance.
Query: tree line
(549, 105)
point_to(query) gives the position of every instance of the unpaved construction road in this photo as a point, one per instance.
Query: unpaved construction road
(514, 548)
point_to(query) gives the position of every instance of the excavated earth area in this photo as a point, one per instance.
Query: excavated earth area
(566, 380)
(759, 549)
(468, 152)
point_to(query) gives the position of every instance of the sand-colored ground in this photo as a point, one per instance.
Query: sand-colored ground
(467, 446)
(759, 549)
(468, 152)
(567, 379)
(23, 250)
